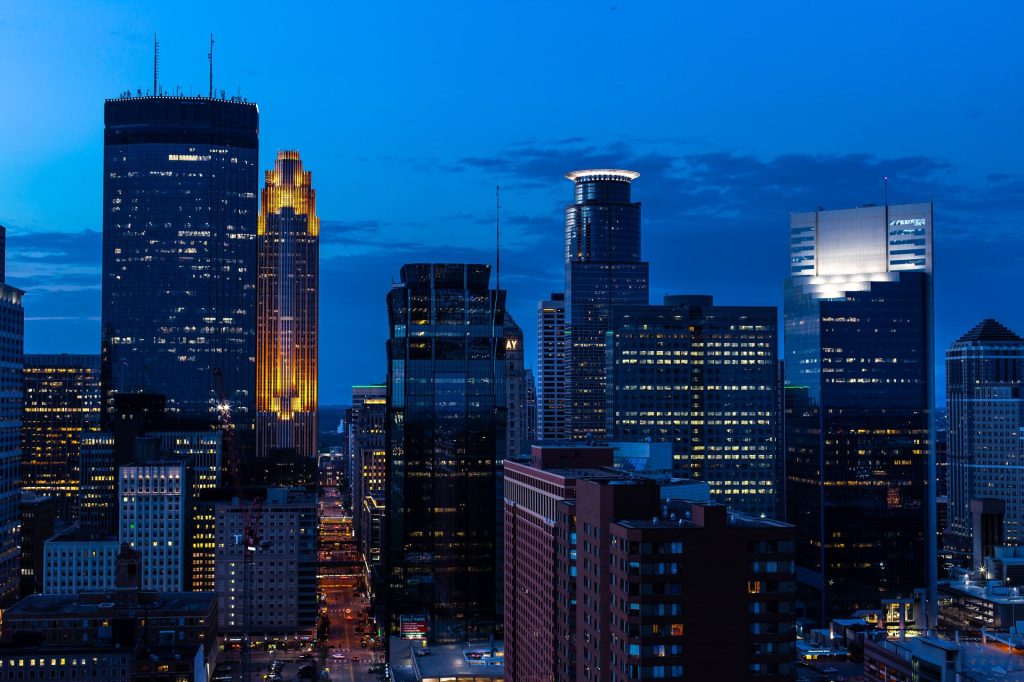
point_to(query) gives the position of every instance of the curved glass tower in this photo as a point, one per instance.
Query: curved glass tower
(179, 252)
(288, 240)
(602, 269)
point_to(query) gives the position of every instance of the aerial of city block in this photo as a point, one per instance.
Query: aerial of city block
(535, 342)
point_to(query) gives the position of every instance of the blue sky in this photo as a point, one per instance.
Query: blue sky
(408, 115)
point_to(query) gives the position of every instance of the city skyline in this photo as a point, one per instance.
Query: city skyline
(710, 175)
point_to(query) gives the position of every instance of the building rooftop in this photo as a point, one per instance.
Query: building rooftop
(678, 514)
(602, 174)
(86, 604)
(990, 330)
(994, 591)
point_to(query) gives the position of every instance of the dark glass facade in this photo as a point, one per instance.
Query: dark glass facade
(12, 349)
(602, 269)
(446, 440)
(860, 465)
(985, 399)
(703, 377)
(179, 251)
(62, 400)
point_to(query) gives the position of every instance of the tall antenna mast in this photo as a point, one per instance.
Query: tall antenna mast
(497, 236)
(156, 65)
(885, 189)
(210, 57)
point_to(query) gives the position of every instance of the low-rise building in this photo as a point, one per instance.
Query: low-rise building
(121, 634)
(74, 562)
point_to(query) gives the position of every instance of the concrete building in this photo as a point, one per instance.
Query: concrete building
(284, 573)
(154, 504)
(74, 562)
(125, 633)
(985, 399)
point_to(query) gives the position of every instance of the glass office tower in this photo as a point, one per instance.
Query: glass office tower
(602, 269)
(705, 378)
(859, 399)
(12, 347)
(446, 442)
(287, 298)
(179, 252)
(62, 400)
(985, 399)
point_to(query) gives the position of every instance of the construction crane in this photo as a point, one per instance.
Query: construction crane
(250, 539)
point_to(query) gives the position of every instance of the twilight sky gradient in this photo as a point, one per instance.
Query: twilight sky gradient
(408, 115)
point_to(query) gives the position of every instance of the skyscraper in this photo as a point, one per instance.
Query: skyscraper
(602, 269)
(12, 344)
(985, 399)
(288, 293)
(446, 441)
(703, 377)
(179, 252)
(552, 370)
(516, 391)
(859, 373)
(62, 400)
(368, 474)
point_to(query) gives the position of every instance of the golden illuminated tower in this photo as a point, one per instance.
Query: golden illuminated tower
(287, 297)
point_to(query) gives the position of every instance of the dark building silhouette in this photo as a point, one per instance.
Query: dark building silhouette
(446, 440)
(602, 269)
(38, 514)
(859, 372)
(703, 377)
(179, 252)
(12, 349)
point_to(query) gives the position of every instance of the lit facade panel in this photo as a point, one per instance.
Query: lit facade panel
(287, 294)
(602, 269)
(62, 400)
(703, 377)
(179, 252)
(859, 403)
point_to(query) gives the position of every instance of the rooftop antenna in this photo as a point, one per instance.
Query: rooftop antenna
(156, 65)
(885, 189)
(497, 236)
(210, 57)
